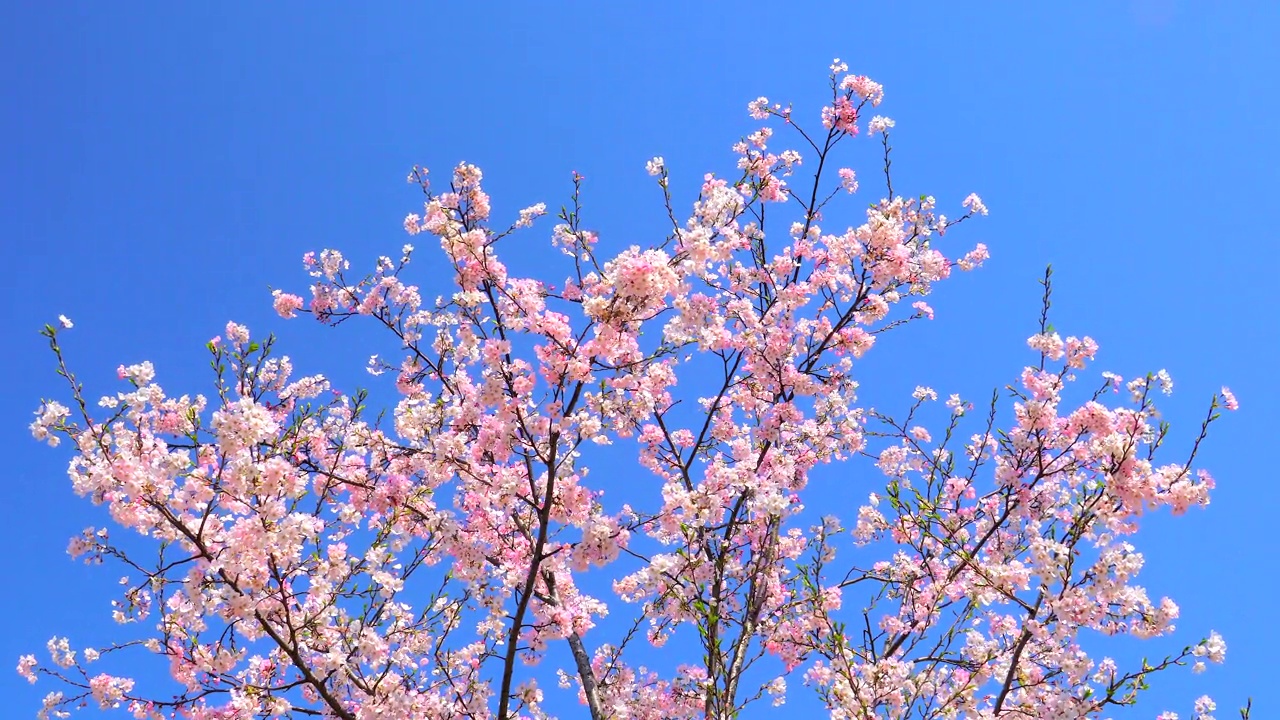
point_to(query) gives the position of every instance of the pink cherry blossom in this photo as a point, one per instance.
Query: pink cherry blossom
(643, 448)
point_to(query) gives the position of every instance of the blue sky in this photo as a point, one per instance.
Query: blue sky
(166, 164)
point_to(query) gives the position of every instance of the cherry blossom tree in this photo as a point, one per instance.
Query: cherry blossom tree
(582, 468)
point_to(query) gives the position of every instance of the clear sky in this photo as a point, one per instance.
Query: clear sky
(166, 163)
